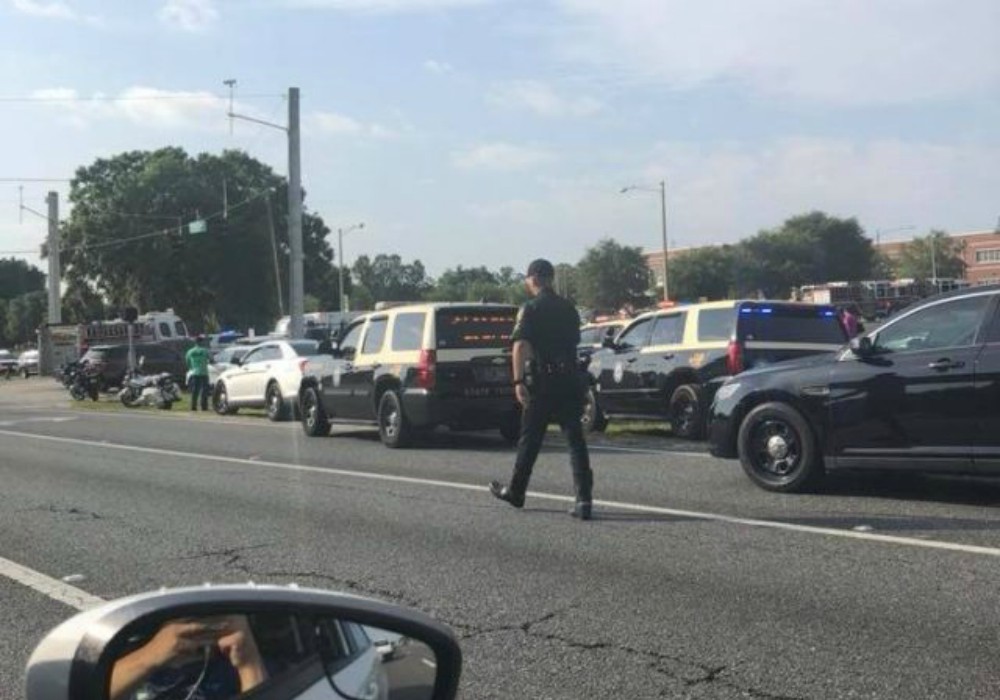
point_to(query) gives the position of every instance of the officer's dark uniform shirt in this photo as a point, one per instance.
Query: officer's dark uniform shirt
(552, 325)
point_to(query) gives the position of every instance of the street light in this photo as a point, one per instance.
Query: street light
(662, 189)
(341, 232)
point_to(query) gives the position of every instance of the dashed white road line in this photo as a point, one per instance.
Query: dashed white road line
(940, 545)
(55, 589)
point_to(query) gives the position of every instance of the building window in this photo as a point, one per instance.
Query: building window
(988, 255)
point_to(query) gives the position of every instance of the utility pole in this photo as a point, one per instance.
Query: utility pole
(296, 292)
(55, 282)
(340, 260)
(933, 243)
(663, 215)
(296, 286)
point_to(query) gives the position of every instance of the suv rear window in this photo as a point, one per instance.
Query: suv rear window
(791, 324)
(716, 324)
(475, 327)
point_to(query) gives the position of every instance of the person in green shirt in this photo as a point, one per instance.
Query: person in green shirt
(197, 363)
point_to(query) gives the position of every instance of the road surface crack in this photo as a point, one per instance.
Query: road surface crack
(232, 554)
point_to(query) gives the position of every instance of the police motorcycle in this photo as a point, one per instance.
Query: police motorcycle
(82, 381)
(158, 390)
(260, 641)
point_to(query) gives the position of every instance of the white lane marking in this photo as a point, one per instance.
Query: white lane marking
(459, 486)
(52, 587)
(644, 450)
(428, 663)
(36, 419)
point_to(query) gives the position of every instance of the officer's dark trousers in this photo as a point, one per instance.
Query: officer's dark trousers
(556, 399)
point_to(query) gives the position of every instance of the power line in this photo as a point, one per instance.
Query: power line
(132, 98)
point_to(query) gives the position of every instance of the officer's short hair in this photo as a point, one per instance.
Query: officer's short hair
(542, 269)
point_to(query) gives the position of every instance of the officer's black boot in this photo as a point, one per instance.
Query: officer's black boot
(505, 494)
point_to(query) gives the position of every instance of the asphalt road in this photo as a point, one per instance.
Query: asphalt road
(691, 584)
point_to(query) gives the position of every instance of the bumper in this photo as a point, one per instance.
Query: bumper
(424, 409)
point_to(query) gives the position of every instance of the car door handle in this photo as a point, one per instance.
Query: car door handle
(376, 366)
(631, 360)
(944, 364)
(668, 356)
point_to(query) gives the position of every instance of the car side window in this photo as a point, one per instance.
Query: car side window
(349, 344)
(949, 324)
(668, 329)
(408, 331)
(716, 325)
(375, 335)
(637, 335)
(253, 356)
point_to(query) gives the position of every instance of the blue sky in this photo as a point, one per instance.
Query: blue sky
(494, 131)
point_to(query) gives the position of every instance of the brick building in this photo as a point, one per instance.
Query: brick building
(981, 253)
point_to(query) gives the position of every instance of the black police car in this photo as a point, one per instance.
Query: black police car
(920, 393)
(667, 364)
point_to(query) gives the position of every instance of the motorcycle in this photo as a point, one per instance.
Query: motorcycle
(82, 383)
(158, 390)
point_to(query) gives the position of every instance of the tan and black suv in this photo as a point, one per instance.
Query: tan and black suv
(412, 368)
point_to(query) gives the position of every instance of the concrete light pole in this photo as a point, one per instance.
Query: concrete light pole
(662, 189)
(341, 232)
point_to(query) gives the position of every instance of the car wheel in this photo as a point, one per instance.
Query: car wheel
(24, 373)
(220, 401)
(778, 450)
(593, 418)
(686, 413)
(314, 420)
(393, 427)
(277, 409)
(510, 427)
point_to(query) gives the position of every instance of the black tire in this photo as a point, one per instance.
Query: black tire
(129, 398)
(394, 429)
(277, 409)
(778, 449)
(25, 373)
(510, 428)
(77, 392)
(314, 420)
(220, 401)
(593, 418)
(686, 412)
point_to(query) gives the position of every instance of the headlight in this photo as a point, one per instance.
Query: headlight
(726, 391)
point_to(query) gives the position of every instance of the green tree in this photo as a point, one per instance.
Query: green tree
(124, 239)
(611, 276)
(388, 278)
(17, 277)
(25, 313)
(706, 272)
(810, 248)
(81, 304)
(937, 249)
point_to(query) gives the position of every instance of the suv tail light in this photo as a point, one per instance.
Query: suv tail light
(426, 369)
(302, 364)
(734, 357)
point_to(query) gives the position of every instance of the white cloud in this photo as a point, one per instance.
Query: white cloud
(189, 15)
(387, 6)
(540, 98)
(143, 106)
(850, 52)
(439, 67)
(52, 9)
(501, 156)
(335, 124)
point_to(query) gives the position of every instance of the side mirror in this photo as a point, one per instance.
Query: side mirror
(608, 342)
(862, 346)
(235, 361)
(274, 641)
(325, 347)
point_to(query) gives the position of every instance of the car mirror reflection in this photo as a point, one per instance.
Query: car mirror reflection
(862, 346)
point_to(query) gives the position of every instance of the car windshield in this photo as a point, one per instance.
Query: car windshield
(590, 328)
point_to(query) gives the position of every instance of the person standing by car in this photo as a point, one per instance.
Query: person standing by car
(197, 363)
(545, 337)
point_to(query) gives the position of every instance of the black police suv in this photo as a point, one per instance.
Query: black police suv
(667, 364)
(920, 393)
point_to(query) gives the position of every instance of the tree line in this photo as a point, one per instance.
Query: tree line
(206, 235)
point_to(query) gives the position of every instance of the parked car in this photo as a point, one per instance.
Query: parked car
(221, 361)
(110, 362)
(412, 368)
(267, 376)
(667, 364)
(920, 393)
(27, 363)
(8, 363)
(593, 335)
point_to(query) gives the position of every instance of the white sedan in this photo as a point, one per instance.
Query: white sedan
(268, 376)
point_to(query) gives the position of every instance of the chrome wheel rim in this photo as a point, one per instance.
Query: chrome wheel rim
(777, 448)
(390, 421)
(312, 411)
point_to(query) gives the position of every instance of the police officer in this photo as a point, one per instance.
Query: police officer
(545, 339)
